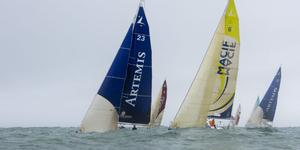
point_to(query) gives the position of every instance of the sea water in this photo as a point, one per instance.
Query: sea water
(150, 139)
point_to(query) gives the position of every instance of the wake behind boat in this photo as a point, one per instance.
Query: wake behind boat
(125, 94)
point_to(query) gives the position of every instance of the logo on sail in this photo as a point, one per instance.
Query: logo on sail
(123, 115)
(140, 21)
(136, 79)
(270, 102)
(226, 56)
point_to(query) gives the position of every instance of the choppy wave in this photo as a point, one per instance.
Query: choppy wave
(148, 139)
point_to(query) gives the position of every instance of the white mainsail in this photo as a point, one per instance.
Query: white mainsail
(213, 88)
(158, 109)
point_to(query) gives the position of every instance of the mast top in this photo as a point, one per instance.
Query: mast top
(142, 3)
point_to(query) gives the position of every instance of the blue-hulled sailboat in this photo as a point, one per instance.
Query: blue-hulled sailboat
(125, 94)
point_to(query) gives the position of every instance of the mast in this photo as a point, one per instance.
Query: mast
(142, 3)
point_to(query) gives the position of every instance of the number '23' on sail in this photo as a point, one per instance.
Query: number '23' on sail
(125, 94)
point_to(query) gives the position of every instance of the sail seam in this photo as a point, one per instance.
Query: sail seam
(137, 95)
(115, 77)
(143, 66)
(142, 34)
(125, 48)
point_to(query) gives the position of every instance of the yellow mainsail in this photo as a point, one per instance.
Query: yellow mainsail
(213, 88)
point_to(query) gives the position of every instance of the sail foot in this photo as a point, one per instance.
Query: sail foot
(101, 116)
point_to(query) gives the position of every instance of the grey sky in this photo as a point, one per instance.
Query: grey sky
(55, 54)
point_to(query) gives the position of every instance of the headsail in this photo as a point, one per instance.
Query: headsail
(237, 116)
(212, 91)
(159, 106)
(102, 114)
(252, 116)
(256, 104)
(136, 96)
(265, 111)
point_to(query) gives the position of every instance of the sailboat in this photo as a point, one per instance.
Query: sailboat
(159, 107)
(236, 118)
(125, 94)
(213, 88)
(253, 111)
(264, 113)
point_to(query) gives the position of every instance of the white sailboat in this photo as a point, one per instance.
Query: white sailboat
(213, 89)
(158, 109)
(125, 94)
(252, 116)
(236, 119)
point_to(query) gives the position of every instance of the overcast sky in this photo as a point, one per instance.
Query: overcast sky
(55, 54)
